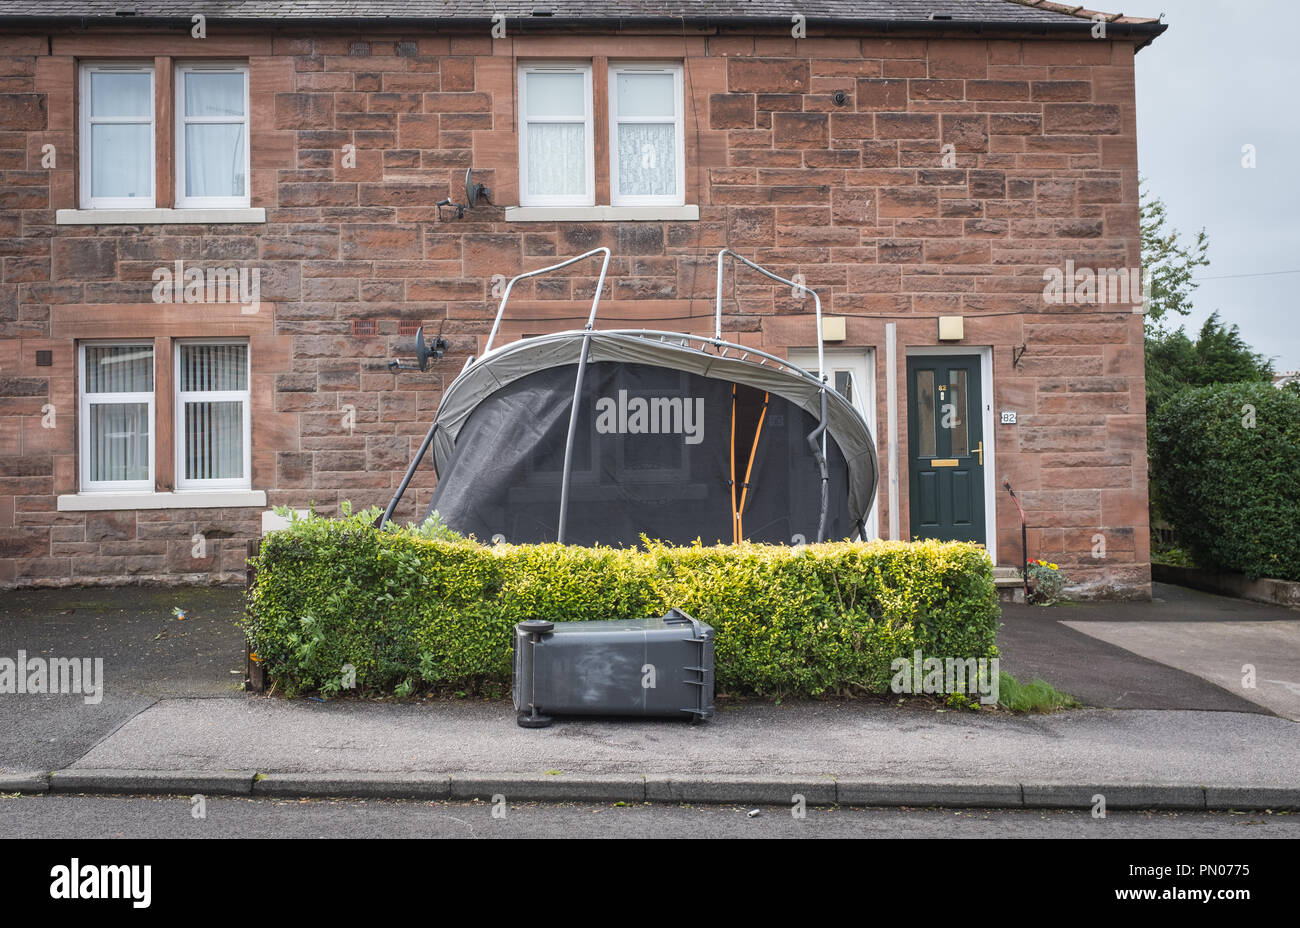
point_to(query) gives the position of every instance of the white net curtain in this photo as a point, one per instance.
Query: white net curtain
(646, 160)
(557, 133)
(646, 113)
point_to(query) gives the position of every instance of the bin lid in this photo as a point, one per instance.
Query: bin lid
(673, 617)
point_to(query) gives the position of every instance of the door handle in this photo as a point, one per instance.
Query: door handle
(980, 451)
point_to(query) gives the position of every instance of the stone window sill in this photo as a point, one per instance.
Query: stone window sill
(184, 499)
(601, 213)
(144, 217)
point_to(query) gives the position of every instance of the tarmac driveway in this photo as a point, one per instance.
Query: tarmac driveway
(148, 654)
(1183, 650)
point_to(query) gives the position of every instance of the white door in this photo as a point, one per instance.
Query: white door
(852, 373)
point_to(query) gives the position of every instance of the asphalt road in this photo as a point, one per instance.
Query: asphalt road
(173, 817)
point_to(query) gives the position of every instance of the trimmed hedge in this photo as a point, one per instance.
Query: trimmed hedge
(411, 613)
(1226, 463)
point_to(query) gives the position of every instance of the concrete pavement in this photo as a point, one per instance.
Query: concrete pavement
(1185, 649)
(862, 753)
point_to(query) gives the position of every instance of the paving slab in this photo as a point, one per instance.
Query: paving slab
(25, 781)
(854, 791)
(558, 787)
(1116, 796)
(1228, 798)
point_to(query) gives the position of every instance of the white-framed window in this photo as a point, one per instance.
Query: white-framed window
(116, 416)
(212, 161)
(117, 136)
(647, 153)
(556, 150)
(213, 437)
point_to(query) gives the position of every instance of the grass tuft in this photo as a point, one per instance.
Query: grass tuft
(1035, 696)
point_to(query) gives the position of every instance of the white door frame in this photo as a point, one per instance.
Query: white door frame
(985, 354)
(861, 362)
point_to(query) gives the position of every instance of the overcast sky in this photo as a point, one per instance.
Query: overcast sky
(1227, 74)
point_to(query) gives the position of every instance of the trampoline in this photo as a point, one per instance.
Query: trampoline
(605, 435)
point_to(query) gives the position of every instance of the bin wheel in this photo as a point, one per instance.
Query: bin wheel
(528, 720)
(537, 626)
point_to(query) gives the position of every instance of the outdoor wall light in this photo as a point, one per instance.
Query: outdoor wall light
(951, 329)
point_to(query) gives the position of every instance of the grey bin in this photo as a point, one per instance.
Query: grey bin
(645, 667)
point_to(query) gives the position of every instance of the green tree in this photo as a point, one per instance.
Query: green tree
(1227, 456)
(1169, 263)
(1218, 355)
(1174, 361)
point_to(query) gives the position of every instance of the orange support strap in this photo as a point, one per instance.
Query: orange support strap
(749, 468)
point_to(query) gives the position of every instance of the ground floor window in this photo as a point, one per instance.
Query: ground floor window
(117, 409)
(209, 434)
(212, 440)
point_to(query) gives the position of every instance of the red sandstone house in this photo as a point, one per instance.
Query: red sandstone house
(926, 165)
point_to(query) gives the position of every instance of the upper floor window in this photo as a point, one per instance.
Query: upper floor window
(556, 164)
(647, 162)
(211, 136)
(117, 136)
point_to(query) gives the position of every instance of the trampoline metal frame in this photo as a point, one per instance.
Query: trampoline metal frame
(816, 438)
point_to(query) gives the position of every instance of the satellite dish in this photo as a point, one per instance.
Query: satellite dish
(422, 352)
(473, 191)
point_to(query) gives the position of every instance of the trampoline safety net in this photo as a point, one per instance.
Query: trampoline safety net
(658, 451)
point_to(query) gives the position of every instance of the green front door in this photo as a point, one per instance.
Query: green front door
(945, 429)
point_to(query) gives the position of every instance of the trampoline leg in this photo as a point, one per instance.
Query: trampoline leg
(410, 472)
(568, 445)
(814, 442)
